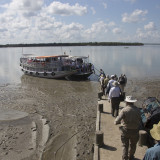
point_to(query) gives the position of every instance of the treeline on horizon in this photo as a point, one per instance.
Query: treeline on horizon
(74, 44)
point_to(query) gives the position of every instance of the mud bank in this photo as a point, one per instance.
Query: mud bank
(69, 108)
(61, 117)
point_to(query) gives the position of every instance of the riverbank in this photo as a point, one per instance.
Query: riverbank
(67, 107)
(74, 44)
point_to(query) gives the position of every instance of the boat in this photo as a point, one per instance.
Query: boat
(55, 67)
(83, 67)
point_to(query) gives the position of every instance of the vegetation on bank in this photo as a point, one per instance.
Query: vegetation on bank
(74, 44)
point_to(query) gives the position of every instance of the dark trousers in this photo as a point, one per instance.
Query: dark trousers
(115, 101)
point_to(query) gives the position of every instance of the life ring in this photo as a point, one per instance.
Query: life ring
(45, 74)
(52, 73)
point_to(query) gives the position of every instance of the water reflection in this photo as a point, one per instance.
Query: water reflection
(135, 61)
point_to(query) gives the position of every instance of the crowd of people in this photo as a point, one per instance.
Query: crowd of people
(129, 117)
(106, 81)
(113, 87)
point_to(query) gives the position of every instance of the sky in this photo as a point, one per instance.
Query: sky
(50, 21)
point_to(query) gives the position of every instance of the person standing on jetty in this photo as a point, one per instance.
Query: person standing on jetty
(110, 84)
(106, 80)
(130, 119)
(122, 81)
(153, 153)
(114, 94)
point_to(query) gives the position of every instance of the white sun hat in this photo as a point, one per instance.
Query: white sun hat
(130, 99)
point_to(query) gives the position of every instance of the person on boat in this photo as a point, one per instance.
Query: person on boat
(113, 97)
(92, 68)
(153, 153)
(130, 119)
(110, 84)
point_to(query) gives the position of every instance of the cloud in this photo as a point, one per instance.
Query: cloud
(65, 9)
(104, 5)
(132, 1)
(150, 26)
(26, 8)
(95, 32)
(149, 35)
(111, 24)
(135, 16)
(97, 27)
(117, 31)
(93, 11)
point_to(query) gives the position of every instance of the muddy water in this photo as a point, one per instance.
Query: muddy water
(68, 106)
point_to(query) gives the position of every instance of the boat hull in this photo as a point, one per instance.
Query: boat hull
(50, 75)
(80, 76)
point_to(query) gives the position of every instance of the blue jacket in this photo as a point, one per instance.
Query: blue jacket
(153, 153)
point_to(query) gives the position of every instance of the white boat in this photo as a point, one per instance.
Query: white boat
(83, 66)
(56, 67)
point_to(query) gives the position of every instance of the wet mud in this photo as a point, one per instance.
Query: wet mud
(69, 108)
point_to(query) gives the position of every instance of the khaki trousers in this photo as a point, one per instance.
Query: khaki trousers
(129, 138)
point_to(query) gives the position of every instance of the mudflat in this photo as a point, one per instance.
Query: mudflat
(55, 119)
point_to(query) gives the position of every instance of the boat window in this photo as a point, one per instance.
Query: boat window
(48, 60)
(54, 69)
(50, 70)
(55, 59)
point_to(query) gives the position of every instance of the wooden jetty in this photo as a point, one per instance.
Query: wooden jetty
(108, 144)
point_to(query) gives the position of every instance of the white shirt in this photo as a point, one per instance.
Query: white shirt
(101, 80)
(110, 83)
(114, 92)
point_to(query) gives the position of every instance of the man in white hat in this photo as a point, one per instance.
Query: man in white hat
(113, 96)
(130, 119)
(153, 153)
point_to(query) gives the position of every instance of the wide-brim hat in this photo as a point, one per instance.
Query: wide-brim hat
(155, 131)
(115, 83)
(130, 99)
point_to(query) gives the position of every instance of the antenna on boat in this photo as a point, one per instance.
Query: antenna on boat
(61, 47)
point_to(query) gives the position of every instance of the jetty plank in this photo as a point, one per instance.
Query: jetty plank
(112, 149)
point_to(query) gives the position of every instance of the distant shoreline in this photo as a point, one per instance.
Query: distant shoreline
(73, 44)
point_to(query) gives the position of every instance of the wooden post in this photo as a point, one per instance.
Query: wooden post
(100, 107)
(100, 94)
(142, 138)
(99, 138)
